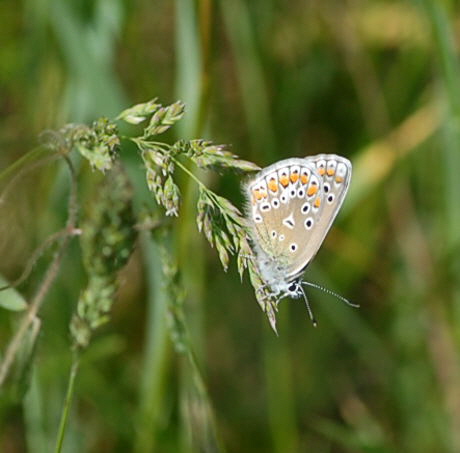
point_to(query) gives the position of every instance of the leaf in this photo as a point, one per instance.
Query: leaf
(10, 298)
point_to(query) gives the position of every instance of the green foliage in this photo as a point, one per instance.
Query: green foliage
(186, 363)
(107, 242)
(99, 143)
(10, 299)
(139, 112)
(207, 155)
(109, 231)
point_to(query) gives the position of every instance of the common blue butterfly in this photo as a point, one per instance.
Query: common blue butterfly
(292, 205)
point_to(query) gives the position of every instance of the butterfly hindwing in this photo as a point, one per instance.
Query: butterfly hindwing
(293, 204)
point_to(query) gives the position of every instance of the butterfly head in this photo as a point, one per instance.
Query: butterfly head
(295, 290)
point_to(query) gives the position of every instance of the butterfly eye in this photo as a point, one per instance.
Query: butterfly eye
(292, 287)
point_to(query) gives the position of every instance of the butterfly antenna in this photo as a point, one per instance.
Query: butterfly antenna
(332, 293)
(310, 312)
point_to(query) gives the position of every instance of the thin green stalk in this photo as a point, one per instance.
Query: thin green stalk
(263, 135)
(67, 402)
(157, 353)
(189, 173)
(251, 77)
(139, 142)
(38, 252)
(278, 367)
(446, 52)
(193, 70)
(18, 164)
(48, 280)
(22, 171)
(210, 193)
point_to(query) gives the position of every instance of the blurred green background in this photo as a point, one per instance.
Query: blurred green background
(375, 81)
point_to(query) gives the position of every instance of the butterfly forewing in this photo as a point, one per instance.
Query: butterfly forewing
(335, 173)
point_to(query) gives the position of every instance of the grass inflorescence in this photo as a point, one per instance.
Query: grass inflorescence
(109, 228)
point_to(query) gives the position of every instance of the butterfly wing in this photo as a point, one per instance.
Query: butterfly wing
(293, 204)
(335, 173)
(281, 196)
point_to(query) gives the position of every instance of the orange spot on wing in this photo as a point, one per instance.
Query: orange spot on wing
(304, 179)
(317, 203)
(321, 171)
(338, 179)
(264, 194)
(284, 180)
(257, 194)
(272, 185)
(312, 190)
(294, 177)
(330, 172)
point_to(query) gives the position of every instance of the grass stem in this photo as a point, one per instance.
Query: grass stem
(67, 402)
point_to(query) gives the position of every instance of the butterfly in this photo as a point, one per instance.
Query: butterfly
(291, 207)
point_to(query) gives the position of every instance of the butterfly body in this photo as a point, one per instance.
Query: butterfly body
(291, 207)
(274, 275)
